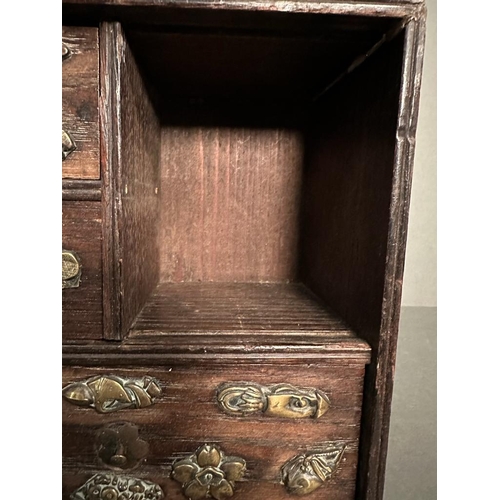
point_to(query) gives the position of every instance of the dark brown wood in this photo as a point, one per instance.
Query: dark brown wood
(80, 83)
(230, 202)
(266, 70)
(158, 8)
(353, 203)
(188, 408)
(82, 306)
(132, 186)
(222, 308)
(109, 129)
(84, 190)
(248, 182)
(139, 188)
(381, 394)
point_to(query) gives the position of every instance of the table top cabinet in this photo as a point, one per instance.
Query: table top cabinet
(236, 182)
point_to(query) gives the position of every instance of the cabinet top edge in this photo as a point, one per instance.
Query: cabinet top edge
(377, 8)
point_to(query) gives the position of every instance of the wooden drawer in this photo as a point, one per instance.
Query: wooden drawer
(82, 236)
(80, 113)
(188, 415)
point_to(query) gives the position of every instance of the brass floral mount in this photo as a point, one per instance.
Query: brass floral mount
(304, 474)
(281, 400)
(110, 393)
(118, 446)
(117, 487)
(208, 473)
(71, 270)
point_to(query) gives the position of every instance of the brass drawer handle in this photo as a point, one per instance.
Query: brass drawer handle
(66, 52)
(282, 400)
(109, 393)
(304, 474)
(107, 486)
(68, 145)
(119, 446)
(208, 473)
(71, 269)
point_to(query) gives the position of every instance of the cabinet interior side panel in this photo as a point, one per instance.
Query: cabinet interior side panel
(347, 190)
(230, 203)
(139, 191)
(349, 173)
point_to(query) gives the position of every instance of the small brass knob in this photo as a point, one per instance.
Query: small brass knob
(71, 269)
(65, 51)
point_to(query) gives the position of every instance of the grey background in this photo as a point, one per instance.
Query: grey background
(411, 463)
(419, 286)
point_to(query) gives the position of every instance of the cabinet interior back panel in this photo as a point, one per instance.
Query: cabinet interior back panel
(230, 200)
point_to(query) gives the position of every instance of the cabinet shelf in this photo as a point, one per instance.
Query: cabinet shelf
(246, 308)
(250, 216)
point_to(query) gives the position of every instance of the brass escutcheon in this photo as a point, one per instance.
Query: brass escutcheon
(281, 400)
(119, 446)
(305, 473)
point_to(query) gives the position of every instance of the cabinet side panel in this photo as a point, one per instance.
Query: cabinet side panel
(131, 158)
(359, 156)
(140, 185)
(349, 160)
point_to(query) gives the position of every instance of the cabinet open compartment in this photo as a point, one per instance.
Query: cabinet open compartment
(256, 161)
(250, 173)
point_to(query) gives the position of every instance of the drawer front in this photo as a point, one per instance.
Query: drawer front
(187, 415)
(80, 113)
(82, 254)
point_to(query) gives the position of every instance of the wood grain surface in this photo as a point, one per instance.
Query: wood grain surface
(158, 10)
(131, 185)
(346, 173)
(353, 203)
(139, 189)
(187, 415)
(222, 308)
(230, 204)
(82, 306)
(80, 115)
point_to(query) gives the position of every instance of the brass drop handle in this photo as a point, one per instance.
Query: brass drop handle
(110, 393)
(108, 486)
(71, 269)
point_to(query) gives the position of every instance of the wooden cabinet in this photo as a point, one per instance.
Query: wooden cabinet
(240, 245)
